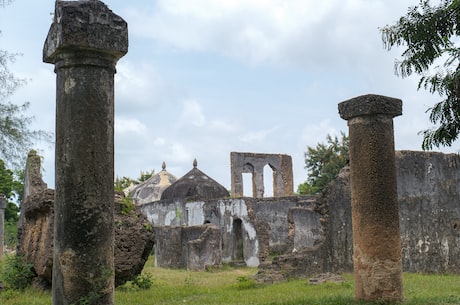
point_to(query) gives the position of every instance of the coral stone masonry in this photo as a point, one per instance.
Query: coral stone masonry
(375, 219)
(84, 43)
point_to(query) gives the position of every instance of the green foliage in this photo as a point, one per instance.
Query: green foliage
(145, 175)
(124, 182)
(245, 282)
(143, 281)
(323, 163)
(127, 205)
(11, 233)
(11, 188)
(430, 34)
(15, 272)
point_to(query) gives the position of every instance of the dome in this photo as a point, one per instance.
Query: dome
(151, 189)
(195, 185)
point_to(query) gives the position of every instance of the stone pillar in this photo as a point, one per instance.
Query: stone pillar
(375, 218)
(2, 223)
(84, 43)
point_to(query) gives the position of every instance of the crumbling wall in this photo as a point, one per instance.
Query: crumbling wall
(429, 199)
(263, 221)
(429, 215)
(254, 164)
(191, 247)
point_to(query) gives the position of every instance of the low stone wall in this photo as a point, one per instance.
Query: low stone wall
(191, 247)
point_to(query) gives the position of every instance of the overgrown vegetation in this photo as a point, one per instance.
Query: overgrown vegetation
(235, 286)
(127, 205)
(15, 272)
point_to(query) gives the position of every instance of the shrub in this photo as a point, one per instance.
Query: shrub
(15, 272)
(143, 281)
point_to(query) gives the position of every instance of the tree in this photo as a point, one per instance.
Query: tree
(11, 188)
(323, 163)
(15, 136)
(430, 34)
(125, 182)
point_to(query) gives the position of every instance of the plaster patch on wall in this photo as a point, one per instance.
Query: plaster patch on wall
(195, 214)
(253, 261)
(152, 218)
(250, 230)
(239, 208)
(169, 218)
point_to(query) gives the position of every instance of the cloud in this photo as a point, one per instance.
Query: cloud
(192, 114)
(257, 136)
(140, 87)
(124, 125)
(299, 33)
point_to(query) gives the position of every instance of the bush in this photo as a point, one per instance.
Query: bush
(143, 281)
(15, 272)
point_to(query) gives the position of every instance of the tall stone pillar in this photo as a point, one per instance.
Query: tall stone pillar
(2, 223)
(84, 43)
(376, 237)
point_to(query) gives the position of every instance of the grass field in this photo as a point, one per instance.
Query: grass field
(234, 286)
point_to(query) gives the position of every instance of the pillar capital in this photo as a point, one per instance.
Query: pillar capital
(369, 105)
(85, 27)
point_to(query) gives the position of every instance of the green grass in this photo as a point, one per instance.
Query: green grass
(234, 286)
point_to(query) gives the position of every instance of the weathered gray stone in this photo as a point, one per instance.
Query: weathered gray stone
(429, 211)
(84, 43)
(134, 238)
(191, 247)
(375, 219)
(152, 189)
(195, 185)
(254, 164)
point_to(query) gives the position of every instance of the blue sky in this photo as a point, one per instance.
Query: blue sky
(203, 78)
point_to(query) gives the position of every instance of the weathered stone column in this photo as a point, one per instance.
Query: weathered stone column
(375, 218)
(84, 43)
(2, 223)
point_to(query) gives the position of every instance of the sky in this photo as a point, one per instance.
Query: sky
(203, 78)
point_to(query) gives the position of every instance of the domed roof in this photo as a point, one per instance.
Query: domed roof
(151, 189)
(195, 185)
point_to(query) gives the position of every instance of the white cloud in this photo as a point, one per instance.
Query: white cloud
(140, 87)
(257, 136)
(179, 153)
(124, 125)
(296, 32)
(192, 114)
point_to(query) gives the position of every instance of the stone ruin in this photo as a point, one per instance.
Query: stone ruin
(254, 164)
(134, 236)
(310, 235)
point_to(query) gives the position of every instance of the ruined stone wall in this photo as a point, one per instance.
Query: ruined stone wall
(429, 216)
(429, 199)
(264, 222)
